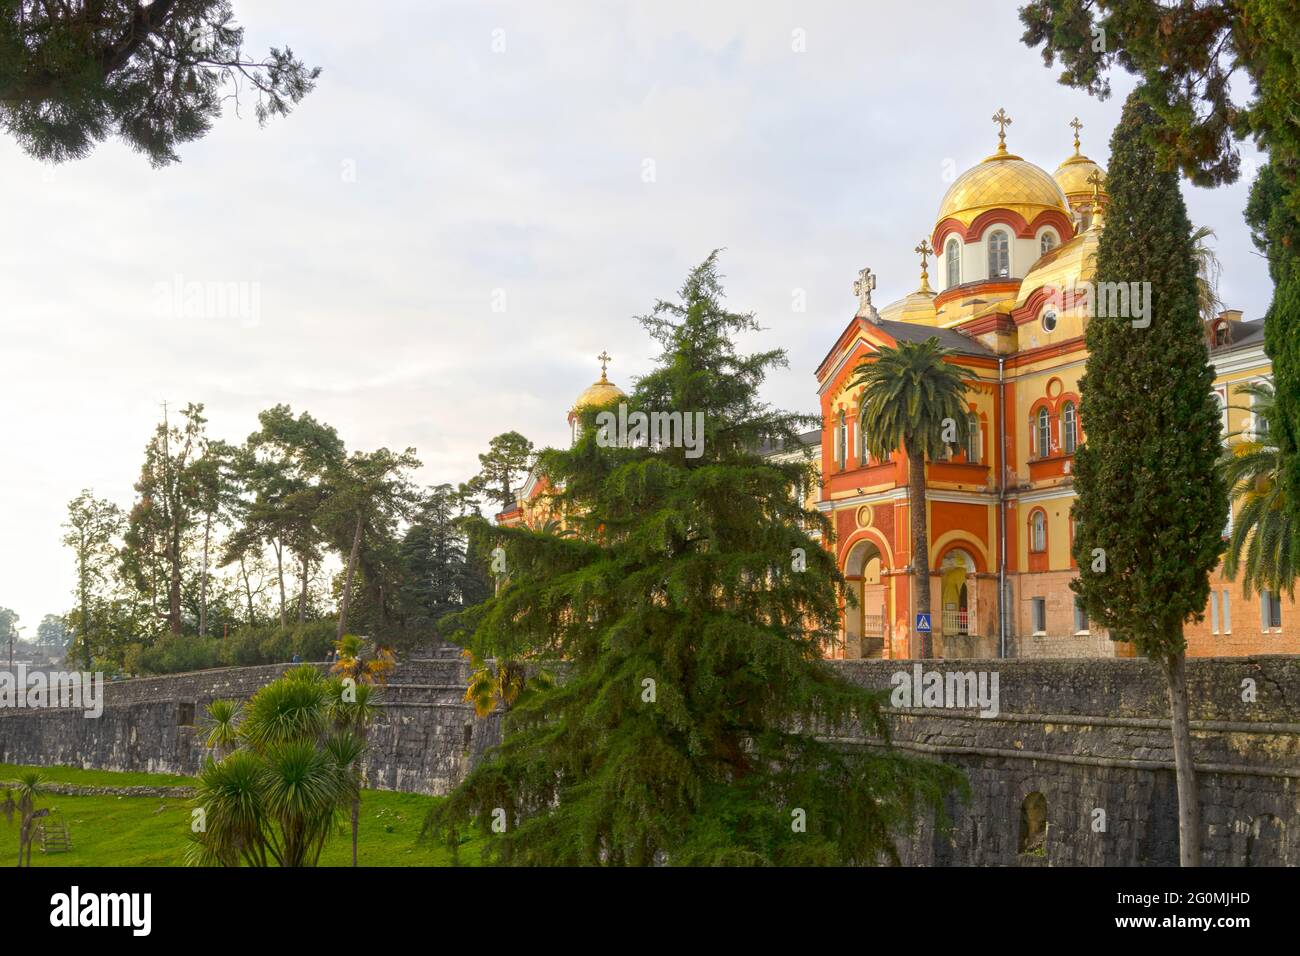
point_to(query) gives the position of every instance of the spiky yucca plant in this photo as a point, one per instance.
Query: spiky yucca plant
(23, 802)
(275, 799)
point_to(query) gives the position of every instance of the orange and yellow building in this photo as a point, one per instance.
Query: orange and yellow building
(1011, 243)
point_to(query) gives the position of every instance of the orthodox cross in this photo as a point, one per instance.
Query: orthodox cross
(1077, 126)
(604, 360)
(925, 251)
(862, 287)
(1003, 121)
(1096, 180)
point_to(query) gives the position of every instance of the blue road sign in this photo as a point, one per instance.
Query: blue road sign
(923, 623)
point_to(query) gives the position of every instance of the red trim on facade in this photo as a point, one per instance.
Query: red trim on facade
(975, 289)
(1024, 230)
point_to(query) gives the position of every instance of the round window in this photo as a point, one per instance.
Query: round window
(1049, 320)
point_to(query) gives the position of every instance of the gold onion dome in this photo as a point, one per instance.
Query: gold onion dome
(603, 392)
(1002, 181)
(1073, 174)
(599, 393)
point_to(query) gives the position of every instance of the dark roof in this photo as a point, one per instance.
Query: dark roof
(776, 447)
(1240, 335)
(948, 338)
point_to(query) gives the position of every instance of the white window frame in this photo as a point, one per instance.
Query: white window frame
(1258, 424)
(1038, 531)
(1267, 601)
(1214, 612)
(1043, 432)
(842, 441)
(1070, 434)
(1227, 611)
(1221, 396)
(996, 272)
(950, 260)
(1081, 623)
(1037, 610)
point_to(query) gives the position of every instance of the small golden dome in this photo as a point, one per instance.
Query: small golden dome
(1002, 181)
(1072, 177)
(600, 393)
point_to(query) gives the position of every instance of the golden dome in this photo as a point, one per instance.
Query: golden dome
(1002, 181)
(1070, 264)
(599, 393)
(1072, 176)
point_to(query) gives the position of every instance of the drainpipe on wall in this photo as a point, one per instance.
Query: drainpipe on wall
(1002, 511)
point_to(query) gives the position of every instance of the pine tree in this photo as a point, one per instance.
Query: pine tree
(687, 613)
(1151, 503)
(154, 75)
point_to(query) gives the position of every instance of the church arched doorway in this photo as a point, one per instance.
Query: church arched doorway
(956, 604)
(866, 627)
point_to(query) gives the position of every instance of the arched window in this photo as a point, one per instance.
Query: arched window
(1038, 531)
(1047, 243)
(973, 443)
(999, 255)
(842, 442)
(862, 444)
(953, 252)
(1033, 825)
(1069, 428)
(1044, 433)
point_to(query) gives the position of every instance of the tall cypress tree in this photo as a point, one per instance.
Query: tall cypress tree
(1275, 230)
(1151, 504)
(688, 610)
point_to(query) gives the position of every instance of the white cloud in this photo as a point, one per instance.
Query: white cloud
(477, 171)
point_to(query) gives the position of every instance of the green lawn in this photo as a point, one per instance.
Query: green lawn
(148, 831)
(99, 778)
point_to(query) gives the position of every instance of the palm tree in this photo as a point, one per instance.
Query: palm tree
(30, 789)
(1208, 270)
(219, 726)
(912, 396)
(357, 661)
(352, 708)
(494, 682)
(1262, 544)
(277, 797)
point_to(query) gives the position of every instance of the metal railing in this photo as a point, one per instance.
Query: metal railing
(956, 621)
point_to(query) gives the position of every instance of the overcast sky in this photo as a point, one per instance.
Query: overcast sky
(568, 161)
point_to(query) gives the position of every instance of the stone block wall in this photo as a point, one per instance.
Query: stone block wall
(1086, 736)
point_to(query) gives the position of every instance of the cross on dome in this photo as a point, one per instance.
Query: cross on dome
(604, 358)
(1003, 121)
(1077, 126)
(925, 251)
